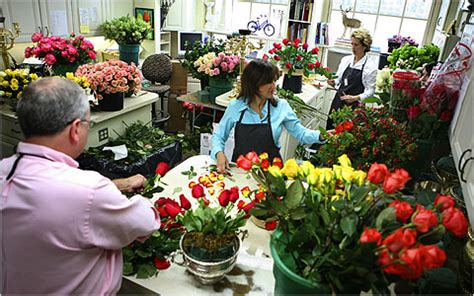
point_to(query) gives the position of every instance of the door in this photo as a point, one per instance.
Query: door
(24, 12)
(56, 17)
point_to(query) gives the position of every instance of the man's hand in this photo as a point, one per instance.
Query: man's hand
(349, 99)
(331, 132)
(130, 184)
(222, 163)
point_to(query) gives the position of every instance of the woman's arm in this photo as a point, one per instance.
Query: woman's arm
(296, 129)
(221, 134)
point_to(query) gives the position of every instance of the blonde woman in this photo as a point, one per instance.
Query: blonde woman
(356, 75)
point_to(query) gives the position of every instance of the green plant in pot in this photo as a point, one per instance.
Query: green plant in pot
(321, 213)
(211, 242)
(128, 32)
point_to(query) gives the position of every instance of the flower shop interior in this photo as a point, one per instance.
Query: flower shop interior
(384, 204)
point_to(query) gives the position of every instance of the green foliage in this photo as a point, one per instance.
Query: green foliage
(125, 30)
(411, 57)
(297, 104)
(141, 140)
(198, 49)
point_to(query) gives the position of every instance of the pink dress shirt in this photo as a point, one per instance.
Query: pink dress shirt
(63, 228)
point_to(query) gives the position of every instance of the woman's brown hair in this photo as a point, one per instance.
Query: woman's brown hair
(257, 73)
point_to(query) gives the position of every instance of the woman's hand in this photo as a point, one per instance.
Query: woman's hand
(222, 163)
(349, 99)
(331, 82)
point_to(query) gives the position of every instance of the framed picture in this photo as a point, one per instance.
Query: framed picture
(147, 14)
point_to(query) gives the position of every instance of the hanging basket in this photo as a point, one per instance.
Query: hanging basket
(111, 102)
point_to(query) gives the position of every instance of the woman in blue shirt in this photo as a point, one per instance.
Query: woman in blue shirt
(258, 118)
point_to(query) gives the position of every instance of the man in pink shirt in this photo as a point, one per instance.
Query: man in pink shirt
(63, 228)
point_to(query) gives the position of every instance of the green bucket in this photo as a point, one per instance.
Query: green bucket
(218, 87)
(129, 53)
(288, 282)
(62, 69)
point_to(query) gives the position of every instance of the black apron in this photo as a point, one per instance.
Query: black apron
(256, 137)
(354, 87)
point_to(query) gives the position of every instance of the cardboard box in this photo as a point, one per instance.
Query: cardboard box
(176, 122)
(179, 79)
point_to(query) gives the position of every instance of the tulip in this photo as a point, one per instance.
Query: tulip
(244, 163)
(197, 191)
(162, 168)
(290, 169)
(224, 198)
(234, 194)
(344, 161)
(172, 210)
(185, 204)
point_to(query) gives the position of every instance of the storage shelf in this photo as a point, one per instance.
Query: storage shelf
(297, 21)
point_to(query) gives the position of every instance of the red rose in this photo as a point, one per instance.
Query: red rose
(197, 191)
(371, 235)
(285, 41)
(162, 212)
(265, 57)
(455, 221)
(248, 206)
(377, 173)
(271, 51)
(413, 112)
(271, 225)
(446, 115)
(162, 168)
(265, 164)
(339, 128)
(253, 156)
(244, 163)
(403, 210)
(277, 45)
(413, 267)
(276, 57)
(403, 238)
(277, 162)
(172, 210)
(424, 219)
(234, 194)
(386, 261)
(432, 256)
(185, 204)
(298, 58)
(446, 202)
(161, 264)
(315, 50)
(348, 125)
(240, 204)
(160, 202)
(310, 66)
(296, 42)
(317, 64)
(224, 198)
(395, 181)
(206, 201)
(288, 65)
(305, 45)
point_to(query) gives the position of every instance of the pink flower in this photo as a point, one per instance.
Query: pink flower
(50, 59)
(216, 71)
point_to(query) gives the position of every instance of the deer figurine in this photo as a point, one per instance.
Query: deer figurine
(348, 22)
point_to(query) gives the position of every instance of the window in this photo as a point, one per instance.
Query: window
(383, 18)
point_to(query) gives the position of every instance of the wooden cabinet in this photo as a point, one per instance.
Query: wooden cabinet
(181, 16)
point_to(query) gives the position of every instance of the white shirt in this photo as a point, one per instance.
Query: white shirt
(368, 76)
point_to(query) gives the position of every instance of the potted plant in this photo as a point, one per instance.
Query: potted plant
(321, 213)
(128, 32)
(12, 84)
(367, 135)
(211, 243)
(62, 55)
(221, 69)
(296, 60)
(410, 57)
(397, 40)
(110, 81)
(194, 52)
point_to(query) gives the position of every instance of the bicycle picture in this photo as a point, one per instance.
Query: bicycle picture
(267, 28)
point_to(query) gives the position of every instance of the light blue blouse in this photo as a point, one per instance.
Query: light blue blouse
(281, 116)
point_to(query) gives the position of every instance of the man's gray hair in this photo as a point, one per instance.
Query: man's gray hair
(48, 105)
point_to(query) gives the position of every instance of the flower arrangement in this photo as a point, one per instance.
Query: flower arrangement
(13, 82)
(111, 77)
(405, 90)
(146, 258)
(81, 80)
(55, 50)
(323, 217)
(321, 213)
(219, 65)
(402, 40)
(197, 50)
(294, 55)
(367, 135)
(411, 57)
(406, 237)
(126, 30)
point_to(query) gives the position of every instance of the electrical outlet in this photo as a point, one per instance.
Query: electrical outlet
(103, 134)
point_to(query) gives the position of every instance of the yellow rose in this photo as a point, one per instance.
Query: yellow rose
(26, 81)
(275, 171)
(3, 74)
(8, 94)
(326, 175)
(359, 177)
(86, 84)
(34, 76)
(14, 86)
(305, 169)
(312, 178)
(9, 72)
(14, 81)
(5, 83)
(290, 169)
(344, 161)
(70, 75)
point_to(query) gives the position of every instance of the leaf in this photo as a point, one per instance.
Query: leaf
(276, 184)
(349, 224)
(127, 268)
(146, 270)
(387, 215)
(294, 195)
(177, 189)
(372, 99)
(143, 254)
(298, 213)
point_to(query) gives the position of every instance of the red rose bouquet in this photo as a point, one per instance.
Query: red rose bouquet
(56, 50)
(367, 135)
(430, 114)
